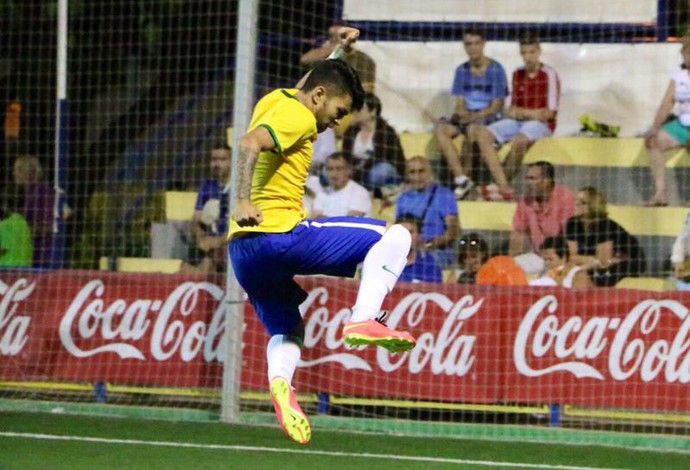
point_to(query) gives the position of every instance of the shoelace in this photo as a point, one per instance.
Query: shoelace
(382, 318)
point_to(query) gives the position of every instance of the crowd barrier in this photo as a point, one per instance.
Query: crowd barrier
(477, 344)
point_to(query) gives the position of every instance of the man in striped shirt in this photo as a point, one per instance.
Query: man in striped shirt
(531, 114)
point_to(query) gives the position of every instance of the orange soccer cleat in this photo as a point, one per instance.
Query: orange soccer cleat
(376, 332)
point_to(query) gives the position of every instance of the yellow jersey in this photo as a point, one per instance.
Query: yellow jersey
(280, 175)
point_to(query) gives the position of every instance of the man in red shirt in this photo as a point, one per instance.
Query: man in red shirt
(531, 115)
(541, 212)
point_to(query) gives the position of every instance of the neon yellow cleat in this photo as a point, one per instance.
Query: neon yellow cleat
(290, 416)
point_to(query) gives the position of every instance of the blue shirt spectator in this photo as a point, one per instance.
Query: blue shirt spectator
(480, 90)
(424, 269)
(210, 222)
(210, 190)
(434, 205)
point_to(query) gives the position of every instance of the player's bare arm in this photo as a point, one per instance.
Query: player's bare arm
(245, 213)
(347, 37)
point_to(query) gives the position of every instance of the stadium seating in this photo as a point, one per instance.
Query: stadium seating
(143, 265)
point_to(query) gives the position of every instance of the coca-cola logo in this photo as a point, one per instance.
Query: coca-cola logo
(447, 351)
(14, 327)
(574, 343)
(120, 326)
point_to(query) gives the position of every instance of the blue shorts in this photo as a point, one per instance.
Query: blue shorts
(506, 129)
(265, 263)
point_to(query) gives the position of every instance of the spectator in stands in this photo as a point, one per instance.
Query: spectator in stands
(342, 196)
(378, 158)
(559, 268)
(598, 244)
(540, 213)
(479, 87)
(38, 208)
(421, 266)
(209, 225)
(15, 234)
(473, 252)
(358, 60)
(669, 131)
(531, 115)
(681, 251)
(434, 205)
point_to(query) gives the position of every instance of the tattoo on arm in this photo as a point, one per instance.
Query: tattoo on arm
(245, 166)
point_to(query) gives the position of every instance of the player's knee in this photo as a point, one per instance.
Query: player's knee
(399, 236)
(296, 334)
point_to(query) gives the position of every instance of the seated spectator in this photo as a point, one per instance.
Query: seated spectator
(38, 208)
(479, 87)
(209, 225)
(531, 115)
(342, 196)
(668, 131)
(680, 259)
(377, 155)
(559, 268)
(598, 244)
(15, 234)
(473, 251)
(541, 212)
(434, 205)
(421, 266)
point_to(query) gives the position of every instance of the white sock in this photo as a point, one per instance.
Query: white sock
(283, 355)
(459, 180)
(380, 271)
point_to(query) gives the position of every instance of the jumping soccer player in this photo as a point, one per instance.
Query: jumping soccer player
(272, 241)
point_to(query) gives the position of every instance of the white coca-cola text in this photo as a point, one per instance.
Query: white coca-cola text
(445, 352)
(14, 327)
(573, 344)
(120, 325)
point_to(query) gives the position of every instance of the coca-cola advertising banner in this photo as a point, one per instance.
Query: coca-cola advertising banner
(485, 344)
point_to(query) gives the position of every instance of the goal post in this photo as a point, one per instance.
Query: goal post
(247, 21)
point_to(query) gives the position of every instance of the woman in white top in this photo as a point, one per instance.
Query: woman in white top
(665, 135)
(560, 271)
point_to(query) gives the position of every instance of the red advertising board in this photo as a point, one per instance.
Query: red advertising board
(596, 347)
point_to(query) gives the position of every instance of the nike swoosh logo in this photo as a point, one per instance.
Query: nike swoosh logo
(385, 268)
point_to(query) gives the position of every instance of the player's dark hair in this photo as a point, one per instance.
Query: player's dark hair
(547, 169)
(559, 244)
(410, 218)
(372, 102)
(339, 78)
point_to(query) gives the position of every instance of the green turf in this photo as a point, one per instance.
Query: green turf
(25, 453)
